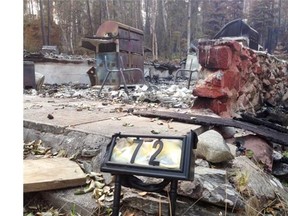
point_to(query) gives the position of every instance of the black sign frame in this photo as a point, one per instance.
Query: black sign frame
(187, 162)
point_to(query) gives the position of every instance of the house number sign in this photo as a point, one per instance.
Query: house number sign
(158, 156)
(168, 157)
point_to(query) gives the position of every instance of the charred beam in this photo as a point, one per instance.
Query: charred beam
(261, 130)
(247, 117)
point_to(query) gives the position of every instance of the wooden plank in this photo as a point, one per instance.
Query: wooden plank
(52, 173)
(265, 132)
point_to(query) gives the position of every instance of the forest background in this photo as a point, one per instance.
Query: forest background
(167, 28)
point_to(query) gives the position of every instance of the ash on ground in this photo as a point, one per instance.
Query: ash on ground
(166, 93)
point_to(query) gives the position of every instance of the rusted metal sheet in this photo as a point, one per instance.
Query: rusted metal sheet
(265, 132)
(115, 37)
(118, 42)
(133, 44)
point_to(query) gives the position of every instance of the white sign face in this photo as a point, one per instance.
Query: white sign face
(161, 153)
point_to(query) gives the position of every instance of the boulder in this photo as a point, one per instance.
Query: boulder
(212, 147)
(257, 188)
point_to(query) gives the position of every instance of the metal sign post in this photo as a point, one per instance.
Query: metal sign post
(170, 158)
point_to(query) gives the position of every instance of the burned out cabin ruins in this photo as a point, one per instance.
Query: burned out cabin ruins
(179, 127)
(226, 69)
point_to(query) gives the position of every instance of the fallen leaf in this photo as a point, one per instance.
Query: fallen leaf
(50, 116)
(99, 184)
(154, 119)
(102, 198)
(143, 193)
(97, 193)
(155, 132)
(62, 153)
(169, 126)
(128, 125)
(106, 189)
(249, 153)
(109, 198)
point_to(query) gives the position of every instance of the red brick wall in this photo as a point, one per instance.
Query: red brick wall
(234, 78)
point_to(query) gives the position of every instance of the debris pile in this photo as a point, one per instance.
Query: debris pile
(164, 94)
(56, 57)
(235, 78)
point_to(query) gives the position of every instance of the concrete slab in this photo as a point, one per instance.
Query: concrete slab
(132, 124)
(67, 112)
(94, 117)
(52, 173)
(90, 128)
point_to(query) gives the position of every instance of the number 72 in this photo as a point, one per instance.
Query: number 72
(152, 161)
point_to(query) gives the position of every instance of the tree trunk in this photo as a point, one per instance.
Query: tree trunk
(71, 28)
(147, 18)
(64, 35)
(279, 16)
(189, 26)
(156, 46)
(25, 7)
(153, 30)
(107, 9)
(90, 25)
(115, 9)
(136, 11)
(119, 13)
(42, 23)
(164, 14)
(31, 7)
(49, 22)
(101, 12)
(140, 15)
